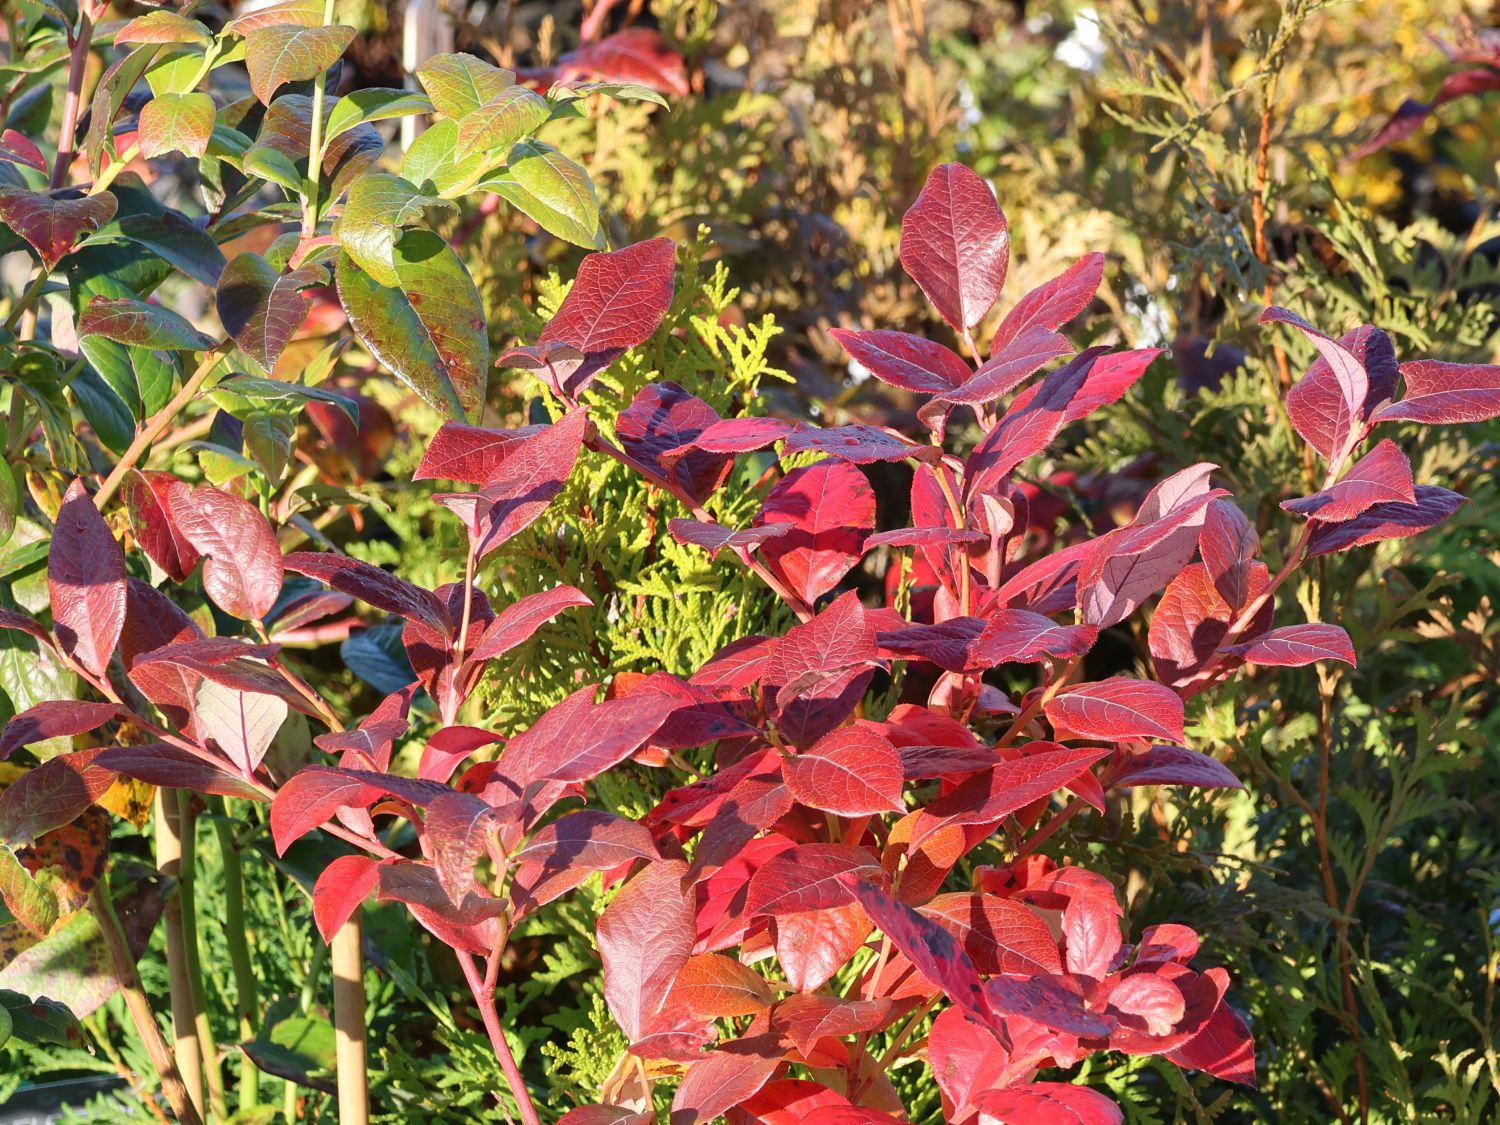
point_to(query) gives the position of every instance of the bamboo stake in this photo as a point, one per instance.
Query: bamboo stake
(349, 1023)
(186, 1047)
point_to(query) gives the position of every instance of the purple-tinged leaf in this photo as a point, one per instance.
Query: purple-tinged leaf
(147, 497)
(736, 666)
(86, 582)
(561, 855)
(1047, 1001)
(903, 360)
(662, 417)
(1228, 544)
(923, 537)
(854, 771)
(517, 622)
(579, 739)
(1381, 476)
(53, 719)
(242, 561)
(1438, 392)
(340, 890)
(1118, 709)
(51, 224)
(469, 454)
(140, 324)
(243, 725)
(969, 644)
(1349, 375)
(459, 827)
(172, 767)
(1108, 380)
(1053, 303)
(934, 951)
(17, 148)
(527, 481)
(1192, 619)
(1411, 113)
(604, 1115)
(733, 435)
(1293, 646)
(831, 509)
(955, 245)
(1005, 370)
(262, 307)
(20, 623)
(1171, 765)
(1386, 521)
(808, 877)
(858, 443)
(645, 936)
(714, 537)
(617, 301)
(225, 660)
(373, 586)
(989, 797)
(815, 674)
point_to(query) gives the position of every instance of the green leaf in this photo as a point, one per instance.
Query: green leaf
(171, 236)
(374, 104)
(162, 27)
(460, 84)
(430, 331)
(39, 1020)
(177, 71)
(430, 161)
(268, 438)
(106, 409)
(263, 307)
(271, 165)
(294, 1046)
(127, 320)
(624, 91)
(176, 123)
(286, 53)
(241, 395)
(10, 502)
(32, 906)
(513, 113)
(379, 206)
(553, 190)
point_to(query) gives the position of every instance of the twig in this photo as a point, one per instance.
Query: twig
(484, 998)
(78, 59)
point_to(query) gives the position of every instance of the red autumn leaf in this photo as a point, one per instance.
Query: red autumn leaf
(343, 885)
(733, 435)
(1349, 376)
(713, 537)
(998, 934)
(923, 537)
(934, 951)
(368, 746)
(617, 301)
(712, 986)
(1012, 785)
(1047, 1103)
(311, 796)
(831, 509)
(807, 1019)
(857, 443)
(1004, 371)
(1172, 765)
(965, 1057)
(516, 623)
(1381, 476)
(448, 747)
(808, 877)
(1091, 935)
(636, 55)
(19, 149)
(662, 417)
(645, 936)
(1028, 427)
(168, 676)
(458, 829)
(1438, 392)
(1053, 303)
(242, 562)
(580, 739)
(371, 585)
(51, 795)
(1228, 544)
(1386, 521)
(812, 945)
(1154, 999)
(20, 623)
(792, 1101)
(727, 1076)
(903, 360)
(955, 245)
(816, 674)
(736, 666)
(1118, 709)
(526, 482)
(175, 768)
(1192, 619)
(52, 719)
(146, 500)
(1411, 113)
(850, 772)
(1223, 1048)
(561, 855)
(86, 582)
(469, 454)
(1107, 381)
(604, 1115)
(971, 644)
(1293, 646)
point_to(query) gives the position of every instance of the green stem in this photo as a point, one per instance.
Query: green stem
(315, 145)
(115, 167)
(238, 936)
(188, 820)
(27, 299)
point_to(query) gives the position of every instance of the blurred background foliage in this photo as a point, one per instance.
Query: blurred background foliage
(1205, 148)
